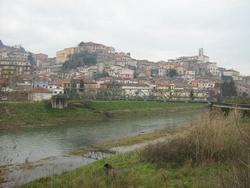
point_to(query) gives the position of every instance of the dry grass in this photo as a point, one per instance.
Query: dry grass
(217, 139)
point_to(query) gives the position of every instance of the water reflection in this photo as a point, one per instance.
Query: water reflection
(33, 144)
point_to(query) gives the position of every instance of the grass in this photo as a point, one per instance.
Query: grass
(40, 113)
(211, 153)
(4, 170)
(135, 173)
(127, 141)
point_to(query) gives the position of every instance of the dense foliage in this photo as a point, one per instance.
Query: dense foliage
(239, 100)
(229, 89)
(171, 73)
(80, 59)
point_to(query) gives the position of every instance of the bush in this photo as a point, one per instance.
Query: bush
(175, 152)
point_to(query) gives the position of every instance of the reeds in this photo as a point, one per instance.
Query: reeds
(216, 139)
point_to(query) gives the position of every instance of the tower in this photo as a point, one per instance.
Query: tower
(201, 52)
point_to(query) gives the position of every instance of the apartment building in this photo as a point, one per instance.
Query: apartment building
(64, 55)
(10, 67)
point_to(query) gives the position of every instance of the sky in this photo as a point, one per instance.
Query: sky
(156, 30)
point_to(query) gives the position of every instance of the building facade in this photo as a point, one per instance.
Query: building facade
(10, 67)
(64, 55)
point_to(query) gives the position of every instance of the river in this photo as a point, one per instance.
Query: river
(54, 142)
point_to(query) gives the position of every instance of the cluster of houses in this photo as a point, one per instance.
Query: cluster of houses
(42, 77)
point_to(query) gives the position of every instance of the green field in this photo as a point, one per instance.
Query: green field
(40, 113)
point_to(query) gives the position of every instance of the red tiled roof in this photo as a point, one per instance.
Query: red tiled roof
(40, 90)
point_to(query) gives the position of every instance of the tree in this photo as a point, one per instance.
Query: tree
(1, 44)
(73, 89)
(32, 61)
(171, 73)
(81, 86)
(191, 95)
(218, 85)
(228, 89)
(81, 44)
(80, 59)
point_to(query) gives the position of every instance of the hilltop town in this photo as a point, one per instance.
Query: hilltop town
(97, 66)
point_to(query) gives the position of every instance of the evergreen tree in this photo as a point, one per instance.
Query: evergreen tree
(73, 89)
(171, 73)
(228, 89)
(1, 44)
(191, 95)
(81, 86)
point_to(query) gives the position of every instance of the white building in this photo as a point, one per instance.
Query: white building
(39, 94)
(232, 73)
(213, 69)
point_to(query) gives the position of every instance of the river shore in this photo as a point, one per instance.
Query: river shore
(17, 175)
(30, 114)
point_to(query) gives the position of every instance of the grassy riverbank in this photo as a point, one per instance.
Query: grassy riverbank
(213, 152)
(19, 114)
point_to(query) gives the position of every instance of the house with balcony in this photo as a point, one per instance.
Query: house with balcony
(55, 88)
(24, 84)
(40, 83)
(162, 72)
(114, 71)
(180, 70)
(126, 73)
(168, 65)
(103, 80)
(213, 69)
(189, 75)
(203, 84)
(132, 63)
(243, 89)
(165, 89)
(18, 55)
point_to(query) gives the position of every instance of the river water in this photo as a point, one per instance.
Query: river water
(54, 142)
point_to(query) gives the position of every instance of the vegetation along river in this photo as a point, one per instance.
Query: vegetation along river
(39, 143)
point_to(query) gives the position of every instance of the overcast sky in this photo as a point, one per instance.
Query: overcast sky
(149, 29)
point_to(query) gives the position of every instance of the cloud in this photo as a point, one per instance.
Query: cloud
(154, 30)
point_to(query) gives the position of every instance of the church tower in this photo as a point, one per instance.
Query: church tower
(201, 52)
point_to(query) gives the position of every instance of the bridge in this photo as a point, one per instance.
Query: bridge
(245, 107)
(136, 94)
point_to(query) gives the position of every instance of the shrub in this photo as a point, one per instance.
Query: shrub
(175, 152)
